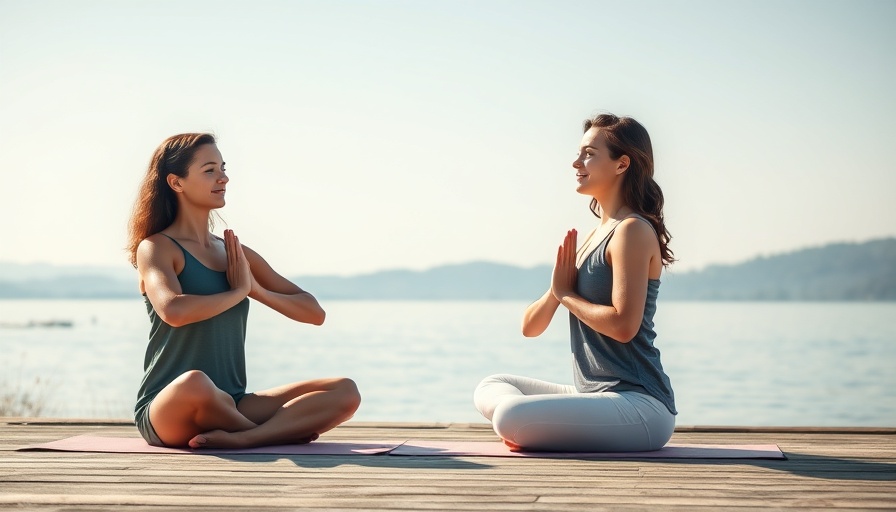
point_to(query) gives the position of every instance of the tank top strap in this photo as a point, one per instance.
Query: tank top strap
(630, 216)
(175, 242)
(641, 217)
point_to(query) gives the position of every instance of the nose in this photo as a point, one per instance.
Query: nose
(223, 178)
(577, 163)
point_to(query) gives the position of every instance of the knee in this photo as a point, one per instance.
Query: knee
(489, 393)
(509, 417)
(498, 378)
(194, 385)
(348, 395)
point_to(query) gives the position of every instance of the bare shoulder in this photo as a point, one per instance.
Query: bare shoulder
(637, 227)
(156, 249)
(637, 235)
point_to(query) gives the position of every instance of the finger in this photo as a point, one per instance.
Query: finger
(228, 242)
(237, 250)
(571, 242)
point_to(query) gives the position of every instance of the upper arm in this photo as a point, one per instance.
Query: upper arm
(157, 266)
(632, 248)
(267, 277)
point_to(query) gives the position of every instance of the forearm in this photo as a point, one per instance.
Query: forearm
(539, 314)
(187, 309)
(301, 307)
(606, 320)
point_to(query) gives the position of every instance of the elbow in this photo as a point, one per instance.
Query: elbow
(531, 329)
(313, 313)
(171, 318)
(625, 339)
(529, 332)
(625, 334)
(316, 318)
(172, 312)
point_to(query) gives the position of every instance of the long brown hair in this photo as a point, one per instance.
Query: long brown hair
(641, 193)
(156, 205)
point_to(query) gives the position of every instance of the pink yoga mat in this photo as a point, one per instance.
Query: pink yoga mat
(138, 445)
(670, 451)
(415, 448)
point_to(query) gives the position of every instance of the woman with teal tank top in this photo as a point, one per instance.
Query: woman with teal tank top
(621, 399)
(196, 287)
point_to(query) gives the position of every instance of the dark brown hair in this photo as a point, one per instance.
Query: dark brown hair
(641, 193)
(156, 205)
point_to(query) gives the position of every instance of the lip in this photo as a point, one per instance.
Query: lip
(221, 191)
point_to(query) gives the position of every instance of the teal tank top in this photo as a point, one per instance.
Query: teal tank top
(601, 363)
(215, 346)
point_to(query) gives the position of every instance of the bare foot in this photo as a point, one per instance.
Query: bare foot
(217, 439)
(513, 446)
(224, 439)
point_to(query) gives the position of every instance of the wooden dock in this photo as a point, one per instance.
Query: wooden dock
(826, 469)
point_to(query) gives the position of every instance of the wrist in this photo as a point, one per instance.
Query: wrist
(565, 297)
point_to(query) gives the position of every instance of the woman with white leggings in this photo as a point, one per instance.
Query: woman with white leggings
(621, 399)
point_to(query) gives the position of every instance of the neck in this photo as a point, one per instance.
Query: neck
(191, 225)
(612, 209)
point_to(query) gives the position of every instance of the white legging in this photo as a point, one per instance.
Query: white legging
(544, 416)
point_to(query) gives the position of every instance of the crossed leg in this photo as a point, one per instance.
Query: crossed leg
(192, 411)
(532, 414)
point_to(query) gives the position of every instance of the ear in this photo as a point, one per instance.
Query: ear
(174, 182)
(622, 164)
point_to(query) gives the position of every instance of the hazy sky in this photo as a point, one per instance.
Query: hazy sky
(368, 135)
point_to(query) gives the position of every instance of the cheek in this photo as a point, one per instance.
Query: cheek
(593, 166)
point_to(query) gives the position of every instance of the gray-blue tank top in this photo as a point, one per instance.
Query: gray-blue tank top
(215, 346)
(601, 363)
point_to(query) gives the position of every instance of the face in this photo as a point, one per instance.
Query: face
(595, 169)
(206, 179)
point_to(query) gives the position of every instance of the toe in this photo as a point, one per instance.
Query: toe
(198, 441)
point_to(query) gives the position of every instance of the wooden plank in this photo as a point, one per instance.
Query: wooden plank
(834, 469)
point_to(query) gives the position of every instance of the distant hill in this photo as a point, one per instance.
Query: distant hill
(839, 271)
(45, 281)
(834, 272)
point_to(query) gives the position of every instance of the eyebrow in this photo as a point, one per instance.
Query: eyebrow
(213, 163)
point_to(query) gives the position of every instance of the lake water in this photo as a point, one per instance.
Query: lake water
(823, 364)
